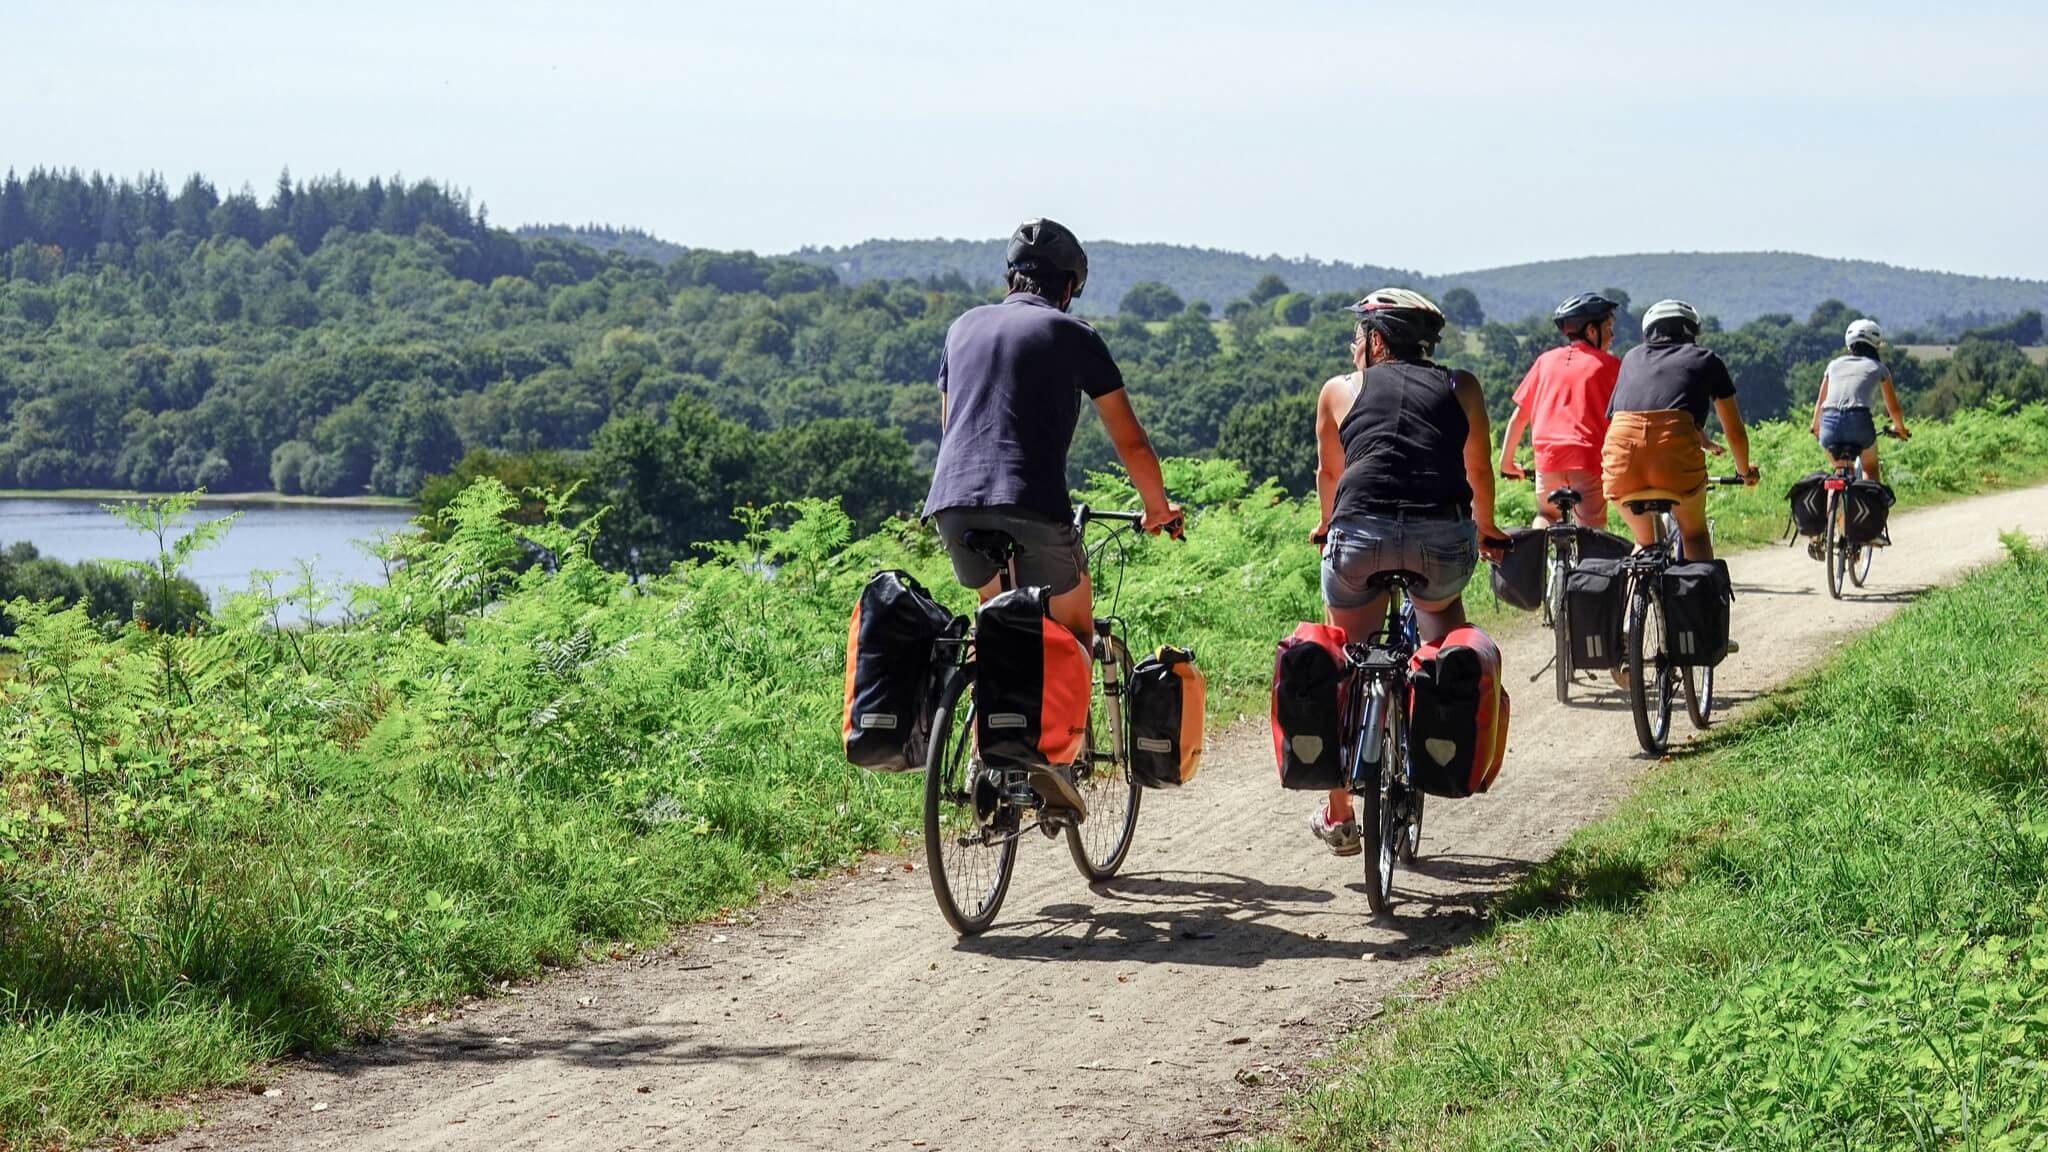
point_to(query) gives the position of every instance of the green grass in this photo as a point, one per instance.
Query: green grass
(218, 848)
(1823, 931)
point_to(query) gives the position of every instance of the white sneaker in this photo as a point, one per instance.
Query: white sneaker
(1343, 839)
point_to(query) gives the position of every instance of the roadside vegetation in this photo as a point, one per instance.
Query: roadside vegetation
(225, 842)
(1823, 929)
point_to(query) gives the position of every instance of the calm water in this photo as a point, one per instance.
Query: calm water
(267, 536)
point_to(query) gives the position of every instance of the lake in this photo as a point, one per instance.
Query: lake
(268, 536)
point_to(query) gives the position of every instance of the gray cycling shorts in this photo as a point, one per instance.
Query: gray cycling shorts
(1049, 552)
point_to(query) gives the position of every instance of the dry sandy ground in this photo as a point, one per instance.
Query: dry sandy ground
(1233, 949)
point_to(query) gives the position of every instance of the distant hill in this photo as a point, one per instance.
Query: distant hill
(631, 241)
(1735, 286)
(1740, 286)
(1196, 273)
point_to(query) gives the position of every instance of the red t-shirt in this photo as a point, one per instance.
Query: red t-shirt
(1565, 396)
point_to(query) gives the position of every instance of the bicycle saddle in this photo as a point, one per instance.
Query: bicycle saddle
(1393, 578)
(1565, 499)
(997, 545)
(1651, 500)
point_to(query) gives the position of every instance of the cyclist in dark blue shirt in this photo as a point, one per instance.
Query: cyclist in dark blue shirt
(1013, 375)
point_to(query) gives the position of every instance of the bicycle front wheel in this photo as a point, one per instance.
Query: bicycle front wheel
(1560, 635)
(1100, 843)
(970, 828)
(1649, 687)
(1699, 695)
(1379, 823)
(1838, 544)
(1859, 564)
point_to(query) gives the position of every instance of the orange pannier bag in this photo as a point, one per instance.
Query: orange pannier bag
(1457, 714)
(1167, 696)
(1031, 682)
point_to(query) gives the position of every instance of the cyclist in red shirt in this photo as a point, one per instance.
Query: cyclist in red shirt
(1564, 400)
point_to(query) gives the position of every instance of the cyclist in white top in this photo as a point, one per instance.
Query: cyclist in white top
(1841, 413)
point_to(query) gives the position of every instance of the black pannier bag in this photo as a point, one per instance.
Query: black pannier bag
(1866, 508)
(1597, 545)
(1593, 607)
(889, 673)
(1311, 692)
(1518, 578)
(1696, 598)
(1809, 498)
(1167, 696)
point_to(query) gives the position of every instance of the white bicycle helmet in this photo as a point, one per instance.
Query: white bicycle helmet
(1862, 332)
(1400, 315)
(1664, 310)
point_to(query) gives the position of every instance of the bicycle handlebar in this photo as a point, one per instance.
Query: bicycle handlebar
(1176, 527)
(1730, 481)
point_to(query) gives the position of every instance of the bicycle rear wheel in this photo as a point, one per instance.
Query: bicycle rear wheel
(1650, 687)
(1100, 843)
(970, 829)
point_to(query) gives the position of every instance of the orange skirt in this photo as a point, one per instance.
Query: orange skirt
(1647, 450)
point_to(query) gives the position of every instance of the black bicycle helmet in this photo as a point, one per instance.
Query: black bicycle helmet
(1042, 246)
(1584, 308)
(1401, 316)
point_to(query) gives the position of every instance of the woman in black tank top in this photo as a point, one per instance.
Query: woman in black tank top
(1404, 443)
(1405, 479)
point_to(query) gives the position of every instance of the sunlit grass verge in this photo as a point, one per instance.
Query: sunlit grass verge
(1825, 931)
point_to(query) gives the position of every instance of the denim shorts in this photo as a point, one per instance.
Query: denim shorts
(1443, 552)
(1847, 431)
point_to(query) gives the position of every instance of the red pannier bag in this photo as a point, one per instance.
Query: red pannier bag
(1031, 682)
(1311, 691)
(1457, 714)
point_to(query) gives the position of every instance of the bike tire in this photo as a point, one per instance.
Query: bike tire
(1859, 564)
(1837, 562)
(1099, 858)
(982, 871)
(1650, 703)
(1377, 819)
(1560, 636)
(1699, 695)
(1410, 844)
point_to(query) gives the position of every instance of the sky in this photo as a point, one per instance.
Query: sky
(1440, 137)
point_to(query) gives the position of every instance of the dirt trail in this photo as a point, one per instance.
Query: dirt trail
(1126, 1018)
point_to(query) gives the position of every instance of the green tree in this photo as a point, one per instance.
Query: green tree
(671, 485)
(1293, 309)
(1269, 287)
(1274, 439)
(866, 468)
(1151, 300)
(1461, 307)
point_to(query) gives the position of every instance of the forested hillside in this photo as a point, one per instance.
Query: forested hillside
(342, 337)
(1197, 274)
(1737, 286)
